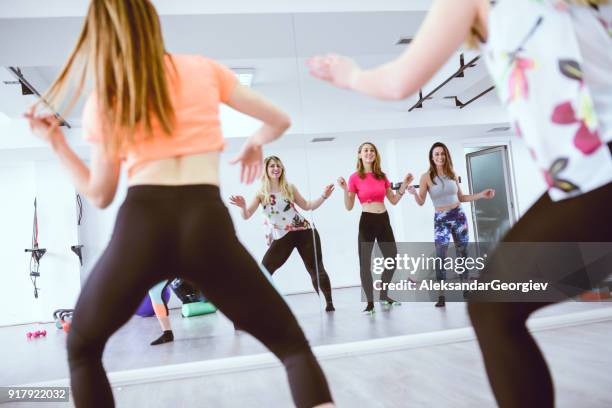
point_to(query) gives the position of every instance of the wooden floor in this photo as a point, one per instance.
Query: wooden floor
(436, 376)
(213, 336)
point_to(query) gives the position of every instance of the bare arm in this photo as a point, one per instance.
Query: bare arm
(249, 102)
(312, 204)
(445, 28)
(421, 195)
(393, 197)
(247, 211)
(275, 123)
(466, 198)
(349, 197)
(98, 184)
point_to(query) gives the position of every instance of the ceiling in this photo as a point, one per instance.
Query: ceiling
(276, 44)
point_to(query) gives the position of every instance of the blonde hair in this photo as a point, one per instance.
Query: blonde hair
(285, 188)
(122, 46)
(473, 41)
(376, 169)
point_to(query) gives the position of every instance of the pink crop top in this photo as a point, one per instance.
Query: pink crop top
(368, 189)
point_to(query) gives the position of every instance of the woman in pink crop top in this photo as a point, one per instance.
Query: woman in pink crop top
(158, 114)
(286, 228)
(370, 184)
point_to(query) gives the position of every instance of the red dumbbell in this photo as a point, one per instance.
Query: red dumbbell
(37, 333)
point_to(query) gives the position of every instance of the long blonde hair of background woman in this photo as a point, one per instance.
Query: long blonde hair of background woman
(285, 188)
(121, 45)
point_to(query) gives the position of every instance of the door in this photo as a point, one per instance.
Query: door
(488, 168)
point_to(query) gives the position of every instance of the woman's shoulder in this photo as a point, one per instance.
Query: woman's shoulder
(425, 177)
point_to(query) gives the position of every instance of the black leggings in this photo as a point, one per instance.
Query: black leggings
(281, 249)
(375, 227)
(162, 232)
(516, 368)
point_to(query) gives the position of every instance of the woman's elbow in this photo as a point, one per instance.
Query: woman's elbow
(283, 123)
(102, 202)
(399, 90)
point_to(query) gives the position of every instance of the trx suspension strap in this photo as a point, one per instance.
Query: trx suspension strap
(37, 253)
(77, 249)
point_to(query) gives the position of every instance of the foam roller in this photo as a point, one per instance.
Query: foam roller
(197, 309)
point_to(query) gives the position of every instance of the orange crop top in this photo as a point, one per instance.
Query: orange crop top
(196, 92)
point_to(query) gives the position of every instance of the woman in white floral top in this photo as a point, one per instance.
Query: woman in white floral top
(286, 228)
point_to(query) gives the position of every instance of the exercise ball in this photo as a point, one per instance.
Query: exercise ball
(146, 307)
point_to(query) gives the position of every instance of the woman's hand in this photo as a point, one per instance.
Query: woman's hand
(342, 183)
(412, 190)
(329, 189)
(45, 126)
(238, 201)
(339, 70)
(408, 179)
(489, 193)
(251, 161)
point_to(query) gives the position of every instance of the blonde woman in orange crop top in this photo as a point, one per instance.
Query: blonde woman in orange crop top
(157, 114)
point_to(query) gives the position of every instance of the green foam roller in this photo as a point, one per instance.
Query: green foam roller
(197, 309)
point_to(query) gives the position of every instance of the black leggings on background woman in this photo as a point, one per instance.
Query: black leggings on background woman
(280, 250)
(375, 227)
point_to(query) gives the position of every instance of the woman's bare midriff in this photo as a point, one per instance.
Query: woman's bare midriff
(375, 208)
(202, 168)
(448, 207)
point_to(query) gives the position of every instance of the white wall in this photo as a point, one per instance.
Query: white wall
(59, 269)
(19, 188)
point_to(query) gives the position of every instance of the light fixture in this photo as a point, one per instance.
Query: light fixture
(245, 76)
(322, 139)
(499, 129)
(404, 41)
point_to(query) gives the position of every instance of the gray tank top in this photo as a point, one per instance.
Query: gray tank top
(444, 192)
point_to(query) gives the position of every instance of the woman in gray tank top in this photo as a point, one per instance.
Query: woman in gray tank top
(449, 219)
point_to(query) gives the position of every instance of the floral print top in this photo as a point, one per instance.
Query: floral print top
(538, 53)
(281, 217)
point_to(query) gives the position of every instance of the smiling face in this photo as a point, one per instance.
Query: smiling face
(274, 170)
(367, 153)
(438, 155)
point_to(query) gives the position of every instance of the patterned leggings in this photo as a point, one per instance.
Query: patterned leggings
(446, 224)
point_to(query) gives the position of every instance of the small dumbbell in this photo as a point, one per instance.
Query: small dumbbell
(37, 333)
